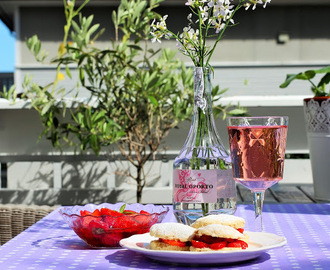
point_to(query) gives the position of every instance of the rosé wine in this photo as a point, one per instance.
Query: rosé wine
(257, 154)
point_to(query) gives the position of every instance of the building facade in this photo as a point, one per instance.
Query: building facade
(253, 59)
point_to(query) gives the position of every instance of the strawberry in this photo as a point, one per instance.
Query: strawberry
(125, 222)
(218, 245)
(241, 230)
(87, 236)
(85, 220)
(199, 244)
(98, 228)
(96, 213)
(173, 242)
(144, 212)
(109, 212)
(229, 240)
(84, 213)
(209, 239)
(238, 244)
(145, 220)
(111, 239)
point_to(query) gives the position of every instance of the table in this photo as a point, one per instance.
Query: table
(51, 244)
(280, 193)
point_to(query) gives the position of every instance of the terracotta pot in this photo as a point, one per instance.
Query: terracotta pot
(317, 119)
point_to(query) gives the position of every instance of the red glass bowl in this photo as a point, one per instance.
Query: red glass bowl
(108, 230)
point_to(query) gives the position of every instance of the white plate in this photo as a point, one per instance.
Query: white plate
(259, 243)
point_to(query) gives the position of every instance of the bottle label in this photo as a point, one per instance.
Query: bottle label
(202, 186)
(226, 187)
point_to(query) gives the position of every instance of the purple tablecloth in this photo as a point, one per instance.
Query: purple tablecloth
(51, 244)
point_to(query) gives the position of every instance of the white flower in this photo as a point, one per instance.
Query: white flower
(156, 36)
(219, 11)
(211, 14)
(218, 26)
(190, 2)
(189, 17)
(266, 2)
(204, 13)
(168, 35)
(162, 23)
(254, 3)
(212, 3)
(153, 26)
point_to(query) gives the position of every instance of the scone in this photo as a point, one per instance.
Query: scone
(223, 219)
(216, 237)
(172, 236)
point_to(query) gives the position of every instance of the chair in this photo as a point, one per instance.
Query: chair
(15, 218)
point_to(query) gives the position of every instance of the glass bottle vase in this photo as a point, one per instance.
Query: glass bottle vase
(202, 177)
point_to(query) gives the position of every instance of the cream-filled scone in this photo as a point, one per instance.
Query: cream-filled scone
(172, 236)
(216, 237)
(235, 222)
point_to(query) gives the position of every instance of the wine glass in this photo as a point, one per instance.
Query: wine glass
(257, 147)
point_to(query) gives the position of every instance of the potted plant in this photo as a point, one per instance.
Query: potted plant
(317, 120)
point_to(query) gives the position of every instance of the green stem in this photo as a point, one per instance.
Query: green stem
(222, 32)
(201, 43)
(202, 129)
(70, 13)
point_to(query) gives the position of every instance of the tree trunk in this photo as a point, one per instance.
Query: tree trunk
(139, 184)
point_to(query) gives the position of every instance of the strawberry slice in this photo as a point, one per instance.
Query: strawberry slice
(111, 239)
(98, 228)
(199, 244)
(209, 239)
(87, 236)
(96, 213)
(144, 212)
(218, 245)
(229, 240)
(86, 220)
(145, 220)
(241, 230)
(238, 244)
(84, 213)
(124, 222)
(109, 212)
(173, 242)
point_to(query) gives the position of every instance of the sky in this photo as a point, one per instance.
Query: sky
(7, 49)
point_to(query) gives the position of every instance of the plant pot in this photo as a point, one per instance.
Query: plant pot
(317, 119)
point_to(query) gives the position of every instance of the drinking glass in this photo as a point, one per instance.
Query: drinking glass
(257, 148)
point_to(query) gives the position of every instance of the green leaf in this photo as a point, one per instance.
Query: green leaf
(136, 47)
(82, 76)
(238, 111)
(325, 80)
(307, 75)
(323, 70)
(153, 100)
(68, 72)
(93, 29)
(98, 116)
(88, 120)
(46, 108)
(122, 208)
(88, 21)
(75, 26)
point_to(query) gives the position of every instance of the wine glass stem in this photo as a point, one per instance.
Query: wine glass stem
(258, 200)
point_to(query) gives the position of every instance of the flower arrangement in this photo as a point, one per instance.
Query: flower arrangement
(208, 19)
